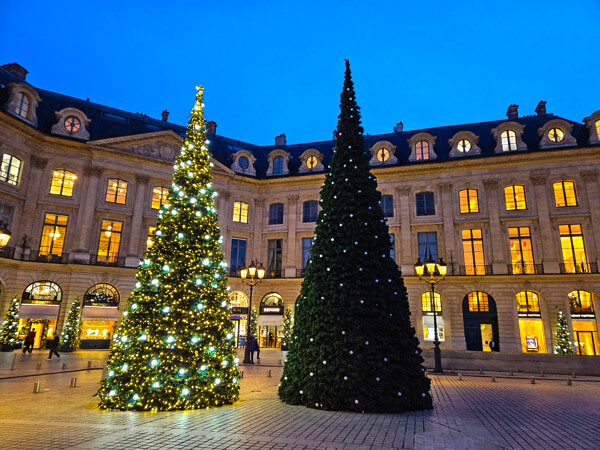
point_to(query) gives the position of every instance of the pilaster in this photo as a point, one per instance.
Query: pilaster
(496, 232)
(133, 253)
(408, 257)
(85, 217)
(289, 263)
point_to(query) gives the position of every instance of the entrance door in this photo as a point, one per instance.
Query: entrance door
(487, 335)
(473, 334)
(481, 322)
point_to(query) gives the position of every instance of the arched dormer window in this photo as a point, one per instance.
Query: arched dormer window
(243, 162)
(592, 123)
(73, 123)
(464, 143)
(421, 146)
(278, 163)
(312, 161)
(556, 133)
(383, 153)
(508, 137)
(22, 102)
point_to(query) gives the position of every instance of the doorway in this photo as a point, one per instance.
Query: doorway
(481, 322)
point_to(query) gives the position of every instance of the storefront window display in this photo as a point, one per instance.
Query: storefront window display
(99, 315)
(531, 326)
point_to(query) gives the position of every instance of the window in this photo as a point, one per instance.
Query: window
(520, 250)
(581, 303)
(110, 238)
(383, 154)
(53, 234)
(311, 162)
(63, 182)
(463, 146)
(565, 194)
(478, 302)
(11, 169)
(22, 105)
(102, 294)
(585, 335)
(238, 255)
(427, 245)
(240, 212)
(532, 335)
(72, 124)
(514, 196)
(243, 162)
(150, 238)
(310, 211)
(393, 246)
(473, 252)
(469, 202)
(598, 128)
(275, 249)
(422, 151)
(573, 249)
(307, 244)
(509, 140)
(159, 196)
(528, 304)
(387, 205)
(556, 135)
(44, 292)
(425, 204)
(278, 165)
(116, 191)
(426, 302)
(276, 214)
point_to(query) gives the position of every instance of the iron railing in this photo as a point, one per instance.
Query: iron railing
(521, 268)
(581, 267)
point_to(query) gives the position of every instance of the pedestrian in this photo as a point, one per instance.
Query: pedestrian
(271, 339)
(251, 343)
(492, 346)
(28, 341)
(257, 350)
(53, 345)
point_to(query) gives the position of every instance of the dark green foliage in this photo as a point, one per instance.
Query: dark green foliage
(71, 333)
(353, 346)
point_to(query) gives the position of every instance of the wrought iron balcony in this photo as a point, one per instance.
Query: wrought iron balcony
(107, 260)
(521, 268)
(42, 256)
(580, 267)
(7, 252)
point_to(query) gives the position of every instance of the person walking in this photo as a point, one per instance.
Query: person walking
(271, 339)
(257, 350)
(251, 343)
(53, 345)
(28, 341)
(492, 346)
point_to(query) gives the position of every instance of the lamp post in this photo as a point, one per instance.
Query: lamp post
(251, 275)
(432, 281)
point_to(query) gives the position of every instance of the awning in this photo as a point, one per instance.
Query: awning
(32, 311)
(269, 320)
(100, 313)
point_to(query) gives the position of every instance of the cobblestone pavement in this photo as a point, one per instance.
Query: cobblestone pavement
(469, 414)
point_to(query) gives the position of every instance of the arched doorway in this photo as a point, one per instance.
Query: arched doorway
(481, 322)
(239, 313)
(269, 320)
(40, 308)
(99, 315)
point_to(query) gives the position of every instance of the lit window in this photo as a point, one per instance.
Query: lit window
(53, 234)
(63, 182)
(383, 154)
(464, 145)
(311, 162)
(473, 252)
(556, 135)
(581, 302)
(426, 302)
(72, 124)
(116, 192)
(425, 204)
(310, 211)
(11, 169)
(478, 302)
(585, 337)
(532, 336)
(469, 203)
(528, 303)
(387, 205)
(278, 165)
(422, 151)
(159, 196)
(150, 238)
(243, 162)
(598, 128)
(240, 212)
(514, 196)
(509, 140)
(573, 249)
(22, 105)
(521, 252)
(565, 193)
(110, 239)
(276, 214)
(101, 294)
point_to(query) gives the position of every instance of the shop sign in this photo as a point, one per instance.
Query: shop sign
(583, 315)
(271, 310)
(239, 310)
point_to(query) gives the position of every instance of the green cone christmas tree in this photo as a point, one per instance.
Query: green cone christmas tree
(10, 326)
(353, 346)
(562, 337)
(175, 346)
(253, 322)
(71, 333)
(287, 328)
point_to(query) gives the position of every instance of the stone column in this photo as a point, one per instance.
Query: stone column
(133, 253)
(448, 217)
(408, 256)
(38, 164)
(289, 261)
(549, 250)
(590, 178)
(257, 251)
(499, 264)
(85, 217)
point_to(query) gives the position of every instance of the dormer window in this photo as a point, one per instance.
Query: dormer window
(509, 140)
(592, 123)
(556, 133)
(243, 162)
(278, 163)
(422, 151)
(508, 137)
(464, 143)
(22, 105)
(71, 122)
(383, 153)
(421, 145)
(22, 102)
(311, 161)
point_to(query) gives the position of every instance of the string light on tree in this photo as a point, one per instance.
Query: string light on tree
(10, 326)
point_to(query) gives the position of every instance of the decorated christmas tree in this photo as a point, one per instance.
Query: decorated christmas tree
(353, 346)
(562, 337)
(175, 346)
(287, 328)
(71, 334)
(253, 322)
(10, 326)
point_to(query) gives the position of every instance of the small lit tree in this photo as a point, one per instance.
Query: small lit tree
(253, 322)
(72, 331)
(10, 327)
(562, 337)
(287, 328)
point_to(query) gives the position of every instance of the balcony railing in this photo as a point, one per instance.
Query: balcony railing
(39, 256)
(485, 269)
(581, 267)
(7, 252)
(104, 260)
(521, 268)
(274, 273)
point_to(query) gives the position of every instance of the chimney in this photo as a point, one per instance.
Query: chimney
(280, 140)
(399, 127)
(16, 69)
(540, 109)
(512, 112)
(165, 115)
(211, 127)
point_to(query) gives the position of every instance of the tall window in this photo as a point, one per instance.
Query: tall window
(428, 322)
(528, 304)
(278, 165)
(473, 252)
(478, 302)
(509, 140)
(393, 246)
(387, 205)
(307, 244)
(110, 239)
(521, 251)
(310, 211)
(63, 182)
(150, 238)
(469, 202)
(22, 105)
(53, 234)
(238, 255)
(116, 191)
(427, 245)
(240, 212)
(276, 214)
(514, 196)
(564, 194)
(275, 249)
(581, 302)
(426, 302)
(159, 196)
(425, 204)
(573, 249)
(422, 151)
(531, 326)
(11, 169)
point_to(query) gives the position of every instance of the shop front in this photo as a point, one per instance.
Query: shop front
(269, 321)
(531, 326)
(99, 316)
(40, 308)
(585, 328)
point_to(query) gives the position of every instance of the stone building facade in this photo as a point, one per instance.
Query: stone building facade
(511, 205)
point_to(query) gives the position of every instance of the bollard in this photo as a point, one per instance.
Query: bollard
(532, 380)
(574, 376)
(39, 366)
(493, 379)
(64, 366)
(89, 364)
(541, 374)
(569, 382)
(241, 374)
(459, 376)
(510, 372)
(269, 372)
(480, 371)
(12, 366)
(74, 382)
(36, 387)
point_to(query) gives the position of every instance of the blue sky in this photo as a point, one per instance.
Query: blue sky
(276, 67)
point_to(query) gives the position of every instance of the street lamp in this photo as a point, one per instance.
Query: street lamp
(4, 235)
(441, 267)
(251, 275)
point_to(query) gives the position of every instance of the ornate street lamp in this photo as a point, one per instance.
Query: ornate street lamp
(432, 267)
(251, 275)
(4, 235)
